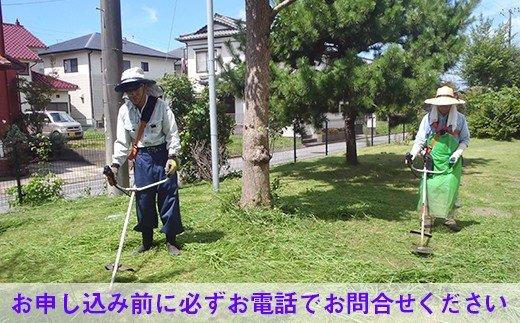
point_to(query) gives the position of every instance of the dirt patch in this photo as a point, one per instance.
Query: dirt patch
(489, 211)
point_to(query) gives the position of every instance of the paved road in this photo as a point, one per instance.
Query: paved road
(82, 179)
(284, 157)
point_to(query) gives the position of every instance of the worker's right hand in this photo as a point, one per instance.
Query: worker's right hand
(115, 169)
(111, 173)
(408, 158)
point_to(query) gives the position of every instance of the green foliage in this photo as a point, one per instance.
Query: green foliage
(38, 96)
(16, 148)
(488, 59)
(41, 147)
(412, 41)
(178, 90)
(192, 114)
(39, 190)
(494, 114)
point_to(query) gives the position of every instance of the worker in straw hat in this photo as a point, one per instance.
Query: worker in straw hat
(443, 135)
(147, 134)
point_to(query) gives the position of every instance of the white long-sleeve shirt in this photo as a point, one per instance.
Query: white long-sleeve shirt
(161, 128)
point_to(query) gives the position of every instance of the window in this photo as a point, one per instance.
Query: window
(126, 65)
(201, 59)
(202, 62)
(70, 65)
(144, 66)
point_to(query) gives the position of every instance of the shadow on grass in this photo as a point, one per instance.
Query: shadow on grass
(381, 186)
(200, 237)
(469, 164)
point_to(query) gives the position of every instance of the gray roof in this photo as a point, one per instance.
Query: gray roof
(223, 27)
(93, 42)
(178, 52)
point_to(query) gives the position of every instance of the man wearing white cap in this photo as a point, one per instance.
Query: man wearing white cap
(147, 134)
(443, 134)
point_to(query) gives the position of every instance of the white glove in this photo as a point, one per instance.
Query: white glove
(454, 158)
(416, 149)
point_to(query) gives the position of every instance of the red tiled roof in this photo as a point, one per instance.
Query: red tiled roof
(54, 82)
(19, 42)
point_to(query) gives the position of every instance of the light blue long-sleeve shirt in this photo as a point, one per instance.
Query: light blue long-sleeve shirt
(161, 128)
(426, 129)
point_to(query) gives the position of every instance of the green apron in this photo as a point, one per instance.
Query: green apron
(442, 188)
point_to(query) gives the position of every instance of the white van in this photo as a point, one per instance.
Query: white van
(60, 122)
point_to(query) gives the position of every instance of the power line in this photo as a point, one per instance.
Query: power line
(31, 2)
(510, 12)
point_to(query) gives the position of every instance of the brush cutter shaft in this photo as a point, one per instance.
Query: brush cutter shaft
(138, 189)
(424, 207)
(122, 240)
(426, 171)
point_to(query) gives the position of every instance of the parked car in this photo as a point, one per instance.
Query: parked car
(61, 123)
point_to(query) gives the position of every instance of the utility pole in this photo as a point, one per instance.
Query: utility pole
(112, 62)
(212, 100)
(510, 13)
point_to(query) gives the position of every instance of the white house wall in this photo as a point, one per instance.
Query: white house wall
(87, 102)
(202, 45)
(198, 78)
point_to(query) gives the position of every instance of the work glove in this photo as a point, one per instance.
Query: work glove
(115, 169)
(111, 173)
(454, 158)
(410, 156)
(172, 165)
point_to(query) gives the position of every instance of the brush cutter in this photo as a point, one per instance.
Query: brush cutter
(107, 171)
(427, 170)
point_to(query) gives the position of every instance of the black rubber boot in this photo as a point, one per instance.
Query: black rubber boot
(147, 242)
(170, 243)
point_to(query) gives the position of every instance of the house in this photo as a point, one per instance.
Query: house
(22, 47)
(196, 51)
(79, 61)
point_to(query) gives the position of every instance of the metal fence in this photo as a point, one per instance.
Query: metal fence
(80, 163)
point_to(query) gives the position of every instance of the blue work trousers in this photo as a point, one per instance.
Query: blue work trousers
(149, 168)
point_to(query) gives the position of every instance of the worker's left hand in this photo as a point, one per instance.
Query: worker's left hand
(172, 165)
(453, 160)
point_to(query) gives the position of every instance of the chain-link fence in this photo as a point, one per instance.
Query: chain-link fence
(80, 162)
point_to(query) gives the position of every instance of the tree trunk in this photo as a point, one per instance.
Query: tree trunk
(350, 137)
(255, 150)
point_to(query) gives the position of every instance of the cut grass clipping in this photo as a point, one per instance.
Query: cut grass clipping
(330, 223)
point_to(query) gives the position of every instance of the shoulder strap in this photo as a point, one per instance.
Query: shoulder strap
(145, 117)
(148, 108)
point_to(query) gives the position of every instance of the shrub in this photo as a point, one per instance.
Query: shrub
(192, 115)
(41, 147)
(39, 190)
(494, 114)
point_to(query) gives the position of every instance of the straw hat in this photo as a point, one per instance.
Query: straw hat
(131, 79)
(444, 96)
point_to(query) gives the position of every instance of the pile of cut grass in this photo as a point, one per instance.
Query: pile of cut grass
(331, 223)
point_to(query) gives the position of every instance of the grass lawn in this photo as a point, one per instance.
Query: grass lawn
(92, 139)
(235, 148)
(331, 223)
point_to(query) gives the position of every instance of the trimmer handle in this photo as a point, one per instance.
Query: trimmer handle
(111, 177)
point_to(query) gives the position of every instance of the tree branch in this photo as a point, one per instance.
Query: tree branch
(279, 7)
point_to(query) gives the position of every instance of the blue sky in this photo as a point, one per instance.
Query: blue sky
(156, 23)
(152, 23)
